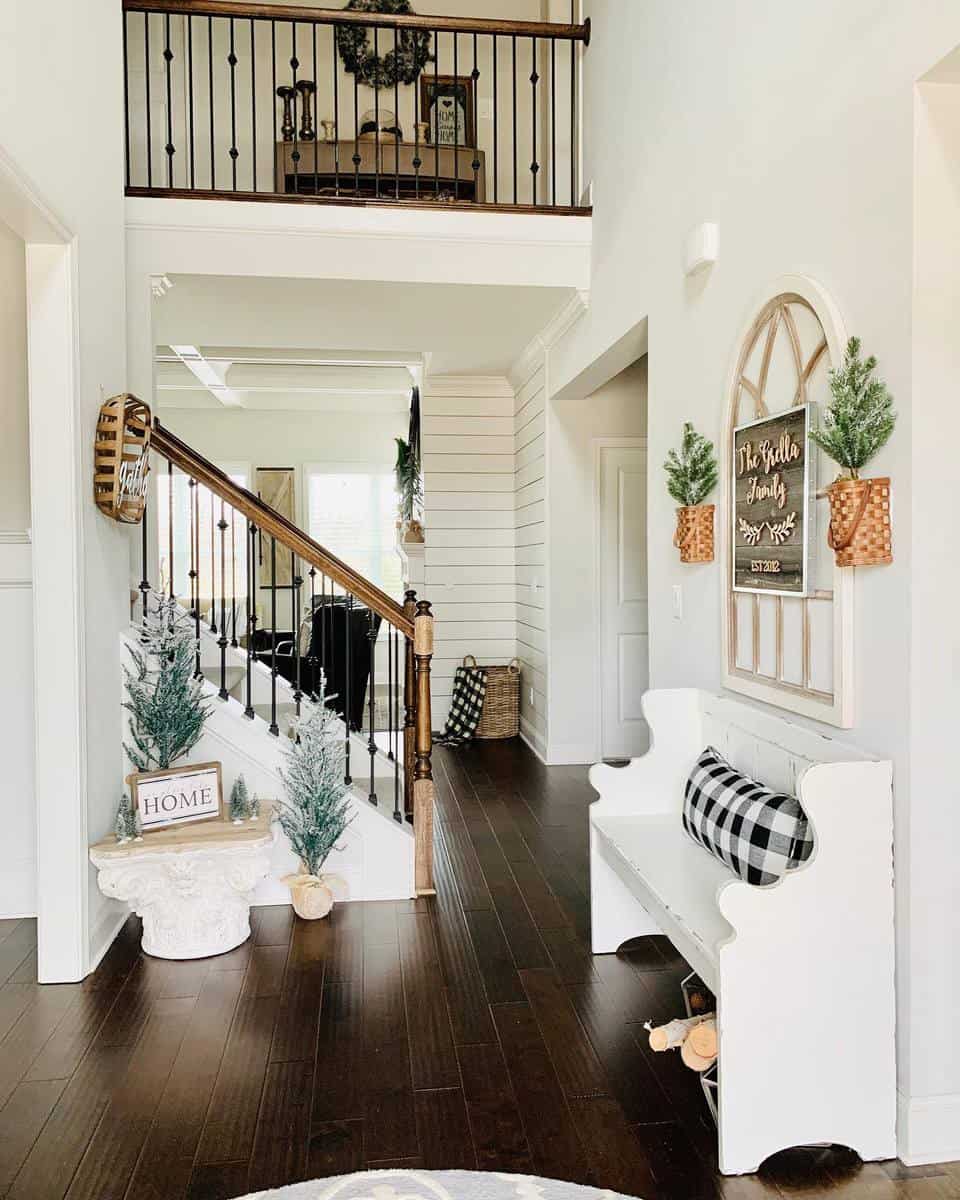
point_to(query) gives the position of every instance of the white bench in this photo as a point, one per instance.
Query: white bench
(803, 971)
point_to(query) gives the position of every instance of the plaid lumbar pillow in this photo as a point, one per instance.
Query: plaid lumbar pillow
(759, 834)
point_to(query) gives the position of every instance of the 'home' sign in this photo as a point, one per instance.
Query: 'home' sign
(177, 796)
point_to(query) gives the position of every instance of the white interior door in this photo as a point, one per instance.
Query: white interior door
(624, 657)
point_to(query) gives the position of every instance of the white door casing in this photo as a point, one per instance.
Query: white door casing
(624, 661)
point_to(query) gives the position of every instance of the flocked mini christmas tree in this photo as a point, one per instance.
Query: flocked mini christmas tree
(859, 419)
(315, 813)
(241, 808)
(691, 474)
(164, 695)
(128, 826)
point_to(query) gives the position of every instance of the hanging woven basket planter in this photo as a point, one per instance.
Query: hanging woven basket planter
(694, 536)
(403, 61)
(859, 533)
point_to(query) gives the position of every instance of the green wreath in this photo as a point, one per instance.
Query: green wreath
(400, 65)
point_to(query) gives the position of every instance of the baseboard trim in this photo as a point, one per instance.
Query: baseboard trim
(105, 934)
(928, 1129)
(533, 741)
(572, 755)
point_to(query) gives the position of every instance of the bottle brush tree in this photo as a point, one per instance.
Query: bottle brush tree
(240, 807)
(691, 472)
(859, 419)
(164, 696)
(316, 810)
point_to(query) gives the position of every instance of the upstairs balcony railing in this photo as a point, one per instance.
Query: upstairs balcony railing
(234, 100)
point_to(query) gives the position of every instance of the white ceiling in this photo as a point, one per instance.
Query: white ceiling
(459, 329)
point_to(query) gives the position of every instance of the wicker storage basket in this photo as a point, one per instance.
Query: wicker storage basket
(859, 533)
(501, 703)
(694, 536)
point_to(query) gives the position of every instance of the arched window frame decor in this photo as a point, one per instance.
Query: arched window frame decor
(834, 707)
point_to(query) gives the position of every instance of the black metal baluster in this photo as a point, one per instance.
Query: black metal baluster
(213, 557)
(170, 525)
(233, 578)
(376, 117)
(316, 115)
(475, 76)
(126, 107)
(144, 541)
(194, 601)
(324, 617)
(534, 79)
(417, 160)
(356, 136)
(456, 121)
(193, 175)
(146, 76)
(372, 742)
(234, 152)
(195, 557)
(253, 99)
(273, 104)
(168, 59)
(396, 112)
(573, 123)
(336, 110)
(294, 64)
(496, 127)
(274, 727)
(224, 640)
(389, 696)
(514, 47)
(435, 129)
(347, 622)
(553, 121)
(213, 144)
(297, 583)
(311, 657)
(251, 613)
(398, 751)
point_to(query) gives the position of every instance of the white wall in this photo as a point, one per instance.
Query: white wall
(617, 409)
(71, 151)
(18, 809)
(468, 468)
(797, 137)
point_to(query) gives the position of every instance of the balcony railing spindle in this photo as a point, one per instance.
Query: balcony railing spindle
(274, 727)
(249, 710)
(223, 641)
(170, 149)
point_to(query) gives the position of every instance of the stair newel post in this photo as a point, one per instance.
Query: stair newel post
(348, 622)
(409, 706)
(295, 607)
(371, 740)
(251, 613)
(213, 563)
(195, 562)
(144, 586)
(274, 727)
(223, 641)
(423, 790)
(170, 526)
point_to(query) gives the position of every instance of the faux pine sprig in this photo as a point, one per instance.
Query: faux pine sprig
(164, 698)
(859, 420)
(691, 474)
(409, 481)
(316, 811)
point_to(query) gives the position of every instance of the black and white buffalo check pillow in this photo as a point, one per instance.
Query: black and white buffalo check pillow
(759, 834)
(466, 706)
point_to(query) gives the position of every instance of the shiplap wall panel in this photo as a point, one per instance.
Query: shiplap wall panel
(469, 509)
(530, 525)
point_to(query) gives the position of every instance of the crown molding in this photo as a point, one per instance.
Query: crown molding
(536, 350)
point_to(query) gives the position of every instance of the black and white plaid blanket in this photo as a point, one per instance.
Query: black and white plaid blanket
(466, 706)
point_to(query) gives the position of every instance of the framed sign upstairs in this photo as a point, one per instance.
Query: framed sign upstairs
(773, 490)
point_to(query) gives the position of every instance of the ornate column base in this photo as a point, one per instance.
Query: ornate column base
(192, 895)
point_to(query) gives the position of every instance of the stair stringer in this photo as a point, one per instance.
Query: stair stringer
(376, 856)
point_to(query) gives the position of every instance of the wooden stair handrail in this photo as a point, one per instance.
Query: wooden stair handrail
(328, 16)
(268, 520)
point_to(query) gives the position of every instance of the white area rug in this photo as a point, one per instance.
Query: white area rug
(434, 1185)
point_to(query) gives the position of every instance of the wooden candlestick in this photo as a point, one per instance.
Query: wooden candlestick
(287, 128)
(306, 88)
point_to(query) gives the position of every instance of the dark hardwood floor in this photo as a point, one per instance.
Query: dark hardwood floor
(473, 1030)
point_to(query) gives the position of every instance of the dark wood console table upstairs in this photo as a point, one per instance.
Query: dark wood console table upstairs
(328, 169)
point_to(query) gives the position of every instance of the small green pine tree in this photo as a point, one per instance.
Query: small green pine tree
(240, 807)
(164, 697)
(691, 474)
(127, 825)
(315, 813)
(859, 420)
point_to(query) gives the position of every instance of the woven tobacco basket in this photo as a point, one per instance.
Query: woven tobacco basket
(859, 533)
(694, 536)
(501, 704)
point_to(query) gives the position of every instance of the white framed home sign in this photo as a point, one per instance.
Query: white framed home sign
(177, 796)
(773, 488)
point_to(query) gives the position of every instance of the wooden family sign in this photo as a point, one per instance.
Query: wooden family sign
(772, 492)
(176, 796)
(121, 458)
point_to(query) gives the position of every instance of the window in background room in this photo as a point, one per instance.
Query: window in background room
(352, 512)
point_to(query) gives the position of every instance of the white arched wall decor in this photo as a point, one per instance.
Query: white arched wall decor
(793, 652)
